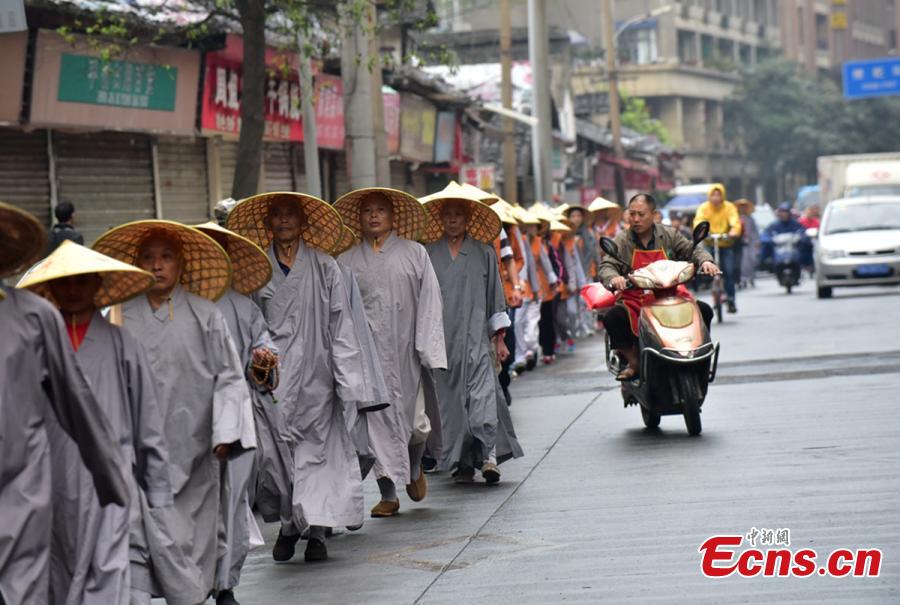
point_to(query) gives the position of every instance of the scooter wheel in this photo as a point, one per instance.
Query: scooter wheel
(651, 419)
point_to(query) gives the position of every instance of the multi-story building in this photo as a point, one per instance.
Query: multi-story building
(685, 57)
(843, 31)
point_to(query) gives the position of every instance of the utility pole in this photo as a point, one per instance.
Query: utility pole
(307, 106)
(510, 180)
(382, 159)
(357, 80)
(615, 116)
(541, 139)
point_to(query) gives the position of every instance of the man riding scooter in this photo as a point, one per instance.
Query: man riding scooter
(644, 242)
(786, 224)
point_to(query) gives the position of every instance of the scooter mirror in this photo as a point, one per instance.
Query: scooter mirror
(701, 232)
(610, 247)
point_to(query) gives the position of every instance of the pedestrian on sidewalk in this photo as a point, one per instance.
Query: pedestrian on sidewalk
(40, 378)
(402, 304)
(203, 395)
(64, 229)
(528, 316)
(307, 308)
(458, 240)
(91, 562)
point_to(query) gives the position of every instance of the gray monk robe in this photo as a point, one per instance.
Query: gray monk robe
(402, 301)
(262, 477)
(321, 368)
(375, 393)
(205, 402)
(474, 306)
(39, 377)
(90, 547)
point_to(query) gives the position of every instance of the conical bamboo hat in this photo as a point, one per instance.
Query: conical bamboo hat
(409, 216)
(207, 268)
(250, 266)
(22, 240)
(323, 223)
(120, 281)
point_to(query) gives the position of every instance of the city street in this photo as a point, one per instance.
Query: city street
(800, 432)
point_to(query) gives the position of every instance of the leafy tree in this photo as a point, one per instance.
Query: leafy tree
(784, 119)
(636, 116)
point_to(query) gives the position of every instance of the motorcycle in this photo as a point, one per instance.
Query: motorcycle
(678, 359)
(786, 263)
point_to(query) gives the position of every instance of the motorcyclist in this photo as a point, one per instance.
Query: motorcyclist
(724, 219)
(785, 223)
(643, 243)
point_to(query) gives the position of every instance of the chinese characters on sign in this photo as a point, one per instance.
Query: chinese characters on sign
(86, 79)
(417, 128)
(222, 103)
(874, 78)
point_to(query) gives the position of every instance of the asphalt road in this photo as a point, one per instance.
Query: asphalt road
(800, 432)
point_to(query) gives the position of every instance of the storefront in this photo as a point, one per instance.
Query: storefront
(101, 151)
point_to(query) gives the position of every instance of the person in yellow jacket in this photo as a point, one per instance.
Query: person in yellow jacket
(724, 219)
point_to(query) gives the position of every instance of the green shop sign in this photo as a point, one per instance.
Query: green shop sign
(85, 79)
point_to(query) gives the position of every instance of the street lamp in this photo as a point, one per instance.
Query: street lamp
(656, 12)
(611, 60)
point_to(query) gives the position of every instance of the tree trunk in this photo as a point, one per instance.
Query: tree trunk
(357, 79)
(253, 87)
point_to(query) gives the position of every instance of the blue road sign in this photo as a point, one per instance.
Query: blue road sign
(874, 78)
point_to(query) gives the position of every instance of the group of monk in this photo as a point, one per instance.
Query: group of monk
(162, 385)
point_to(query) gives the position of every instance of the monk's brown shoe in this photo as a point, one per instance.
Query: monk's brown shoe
(490, 472)
(418, 488)
(386, 508)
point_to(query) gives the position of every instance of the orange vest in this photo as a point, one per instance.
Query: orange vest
(518, 261)
(546, 294)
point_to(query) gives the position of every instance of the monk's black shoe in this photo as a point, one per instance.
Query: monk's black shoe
(284, 547)
(226, 597)
(315, 551)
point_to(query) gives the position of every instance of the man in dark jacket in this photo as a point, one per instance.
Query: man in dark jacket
(64, 229)
(642, 243)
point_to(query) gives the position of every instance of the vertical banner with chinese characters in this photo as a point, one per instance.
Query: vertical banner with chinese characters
(418, 123)
(329, 112)
(482, 176)
(221, 108)
(392, 118)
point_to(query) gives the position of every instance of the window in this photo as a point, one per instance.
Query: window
(637, 45)
(687, 47)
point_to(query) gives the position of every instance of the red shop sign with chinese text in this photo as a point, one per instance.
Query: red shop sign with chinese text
(221, 109)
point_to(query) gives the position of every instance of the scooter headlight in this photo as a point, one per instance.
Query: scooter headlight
(686, 275)
(642, 282)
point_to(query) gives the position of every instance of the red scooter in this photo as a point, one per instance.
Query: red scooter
(678, 359)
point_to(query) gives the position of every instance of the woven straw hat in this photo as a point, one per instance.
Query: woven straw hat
(120, 281)
(250, 266)
(323, 223)
(546, 215)
(409, 216)
(600, 203)
(207, 268)
(524, 216)
(348, 240)
(471, 191)
(484, 224)
(505, 211)
(569, 207)
(22, 240)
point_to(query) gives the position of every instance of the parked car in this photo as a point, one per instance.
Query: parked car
(858, 244)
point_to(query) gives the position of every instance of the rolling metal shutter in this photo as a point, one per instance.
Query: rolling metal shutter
(227, 162)
(279, 175)
(182, 179)
(341, 176)
(108, 176)
(24, 172)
